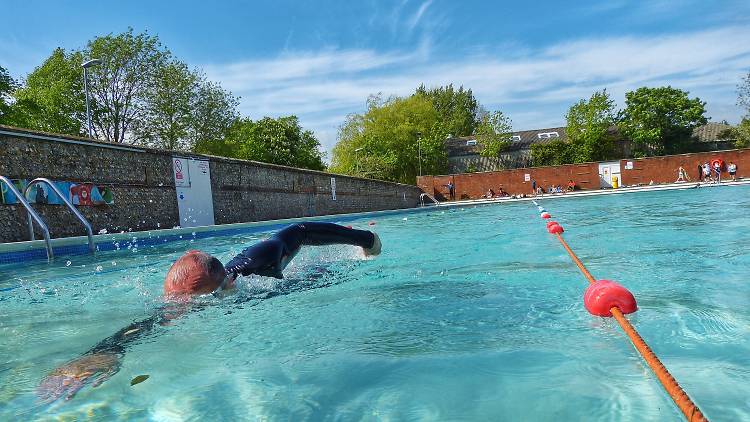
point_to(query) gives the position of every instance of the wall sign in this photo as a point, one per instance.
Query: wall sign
(628, 165)
(527, 177)
(181, 172)
(333, 188)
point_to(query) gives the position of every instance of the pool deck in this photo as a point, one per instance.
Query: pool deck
(578, 194)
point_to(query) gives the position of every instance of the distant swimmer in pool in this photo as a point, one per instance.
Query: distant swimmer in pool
(197, 273)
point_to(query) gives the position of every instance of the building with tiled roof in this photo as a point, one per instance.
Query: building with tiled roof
(463, 152)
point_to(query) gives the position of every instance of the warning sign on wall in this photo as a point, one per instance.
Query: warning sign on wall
(527, 177)
(181, 172)
(333, 188)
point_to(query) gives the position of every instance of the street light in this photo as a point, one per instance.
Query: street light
(86, 65)
(419, 147)
(356, 158)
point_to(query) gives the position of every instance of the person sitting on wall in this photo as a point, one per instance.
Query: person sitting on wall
(490, 193)
(198, 273)
(571, 185)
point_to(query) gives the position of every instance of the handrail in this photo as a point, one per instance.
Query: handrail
(33, 216)
(70, 206)
(421, 199)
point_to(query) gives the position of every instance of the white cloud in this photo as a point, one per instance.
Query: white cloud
(414, 21)
(322, 87)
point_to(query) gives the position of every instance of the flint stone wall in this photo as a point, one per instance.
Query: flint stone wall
(142, 183)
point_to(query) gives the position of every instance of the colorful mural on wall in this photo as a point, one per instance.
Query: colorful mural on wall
(80, 194)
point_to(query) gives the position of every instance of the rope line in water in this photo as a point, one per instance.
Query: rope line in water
(671, 386)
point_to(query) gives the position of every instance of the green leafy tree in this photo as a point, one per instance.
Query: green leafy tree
(276, 141)
(213, 113)
(589, 129)
(743, 89)
(740, 134)
(388, 140)
(7, 86)
(52, 98)
(551, 153)
(661, 120)
(458, 109)
(493, 133)
(120, 86)
(167, 108)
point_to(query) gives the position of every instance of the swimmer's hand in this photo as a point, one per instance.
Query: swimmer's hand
(74, 375)
(376, 246)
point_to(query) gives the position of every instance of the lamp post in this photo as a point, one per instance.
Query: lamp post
(86, 65)
(356, 157)
(419, 148)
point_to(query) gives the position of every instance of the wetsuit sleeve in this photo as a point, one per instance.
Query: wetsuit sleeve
(265, 258)
(319, 234)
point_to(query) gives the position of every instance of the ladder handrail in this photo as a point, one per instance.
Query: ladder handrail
(421, 198)
(81, 218)
(32, 216)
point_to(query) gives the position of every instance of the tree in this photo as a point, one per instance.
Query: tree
(213, 112)
(167, 108)
(276, 141)
(589, 128)
(388, 140)
(7, 86)
(458, 109)
(661, 120)
(493, 134)
(739, 134)
(553, 153)
(743, 91)
(120, 85)
(52, 99)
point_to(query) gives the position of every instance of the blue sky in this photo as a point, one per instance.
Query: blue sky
(320, 60)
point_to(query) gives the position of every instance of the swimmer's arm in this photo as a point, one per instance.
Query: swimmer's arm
(100, 362)
(332, 234)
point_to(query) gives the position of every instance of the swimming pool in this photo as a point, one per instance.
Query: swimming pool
(470, 313)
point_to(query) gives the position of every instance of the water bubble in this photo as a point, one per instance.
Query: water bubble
(404, 218)
(103, 231)
(67, 264)
(99, 268)
(114, 264)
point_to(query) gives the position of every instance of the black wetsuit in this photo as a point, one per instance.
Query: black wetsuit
(266, 258)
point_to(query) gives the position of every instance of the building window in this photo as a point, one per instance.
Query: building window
(471, 142)
(547, 135)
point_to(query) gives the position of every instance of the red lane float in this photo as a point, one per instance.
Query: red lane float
(602, 296)
(546, 215)
(555, 229)
(551, 223)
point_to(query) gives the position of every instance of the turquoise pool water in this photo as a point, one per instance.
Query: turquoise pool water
(473, 313)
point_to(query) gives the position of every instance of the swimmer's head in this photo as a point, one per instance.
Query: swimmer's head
(194, 273)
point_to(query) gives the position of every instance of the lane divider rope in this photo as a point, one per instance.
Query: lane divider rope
(601, 292)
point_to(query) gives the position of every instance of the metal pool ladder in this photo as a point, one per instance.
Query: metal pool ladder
(421, 199)
(32, 216)
(81, 218)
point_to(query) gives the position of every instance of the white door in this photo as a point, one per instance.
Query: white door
(192, 180)
(607, 171)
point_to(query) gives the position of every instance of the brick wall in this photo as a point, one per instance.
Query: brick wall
(664, 169)
(586, 175)
(142, 182)
(474, 185)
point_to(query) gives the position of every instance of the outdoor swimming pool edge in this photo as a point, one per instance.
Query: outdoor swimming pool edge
(34, 250)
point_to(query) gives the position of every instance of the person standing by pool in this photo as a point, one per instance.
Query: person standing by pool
(451, 191)
(533, 187)
(707, 172)
(197, 273)
(732, 169)
(682, 175)
(717, 170)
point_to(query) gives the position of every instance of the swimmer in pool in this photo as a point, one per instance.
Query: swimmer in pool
(197, 273)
